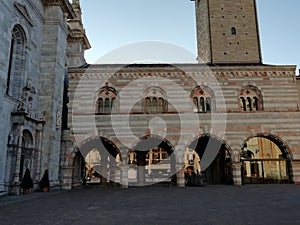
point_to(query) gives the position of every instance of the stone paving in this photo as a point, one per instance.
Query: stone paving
(249, 204)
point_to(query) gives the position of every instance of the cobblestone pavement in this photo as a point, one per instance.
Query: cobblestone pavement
(213, 205)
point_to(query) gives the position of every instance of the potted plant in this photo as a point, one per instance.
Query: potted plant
(44, 183)
(26, 182)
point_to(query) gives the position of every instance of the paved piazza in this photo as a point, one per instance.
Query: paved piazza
(250, 204)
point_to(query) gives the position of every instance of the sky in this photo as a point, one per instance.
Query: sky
(120, 26)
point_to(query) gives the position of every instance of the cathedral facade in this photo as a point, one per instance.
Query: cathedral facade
(38, 39)
(228, 119)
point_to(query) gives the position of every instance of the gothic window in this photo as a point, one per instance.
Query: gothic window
(233, 31)
(106, 102)
(208, 104)
(148, 105)
(154, 100)
(161, 103)
(202, 106)
(154, 105)
(249, 104)
(16, 66)
(203, 100)
(242, 104)
(255, 103)
(250, 99)
(107, 105)
(100, 105)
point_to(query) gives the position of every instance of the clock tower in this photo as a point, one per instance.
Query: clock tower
(227, 32)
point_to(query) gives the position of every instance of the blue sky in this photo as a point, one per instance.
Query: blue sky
(112, 24)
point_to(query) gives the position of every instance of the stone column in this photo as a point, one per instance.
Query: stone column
(180, 175)
(236, 173)
(38, 168)
(19, 154)
(124, 169)
(66, 181)
(141, 163)
(15, 187)
(112, 172)
(124, 176)
(104, 173)
(296, 171)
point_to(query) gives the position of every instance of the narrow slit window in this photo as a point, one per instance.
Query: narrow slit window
(233, 30)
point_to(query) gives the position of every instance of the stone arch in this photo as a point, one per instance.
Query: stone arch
(28, 138)
(109, 153)
(216, 158)
(281, 143)
(221, 140)
(266, 158)
(155, 160)
(27, 159)
(96, 142)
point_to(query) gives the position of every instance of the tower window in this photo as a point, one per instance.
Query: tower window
(233, 31)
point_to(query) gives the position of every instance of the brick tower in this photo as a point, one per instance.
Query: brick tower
(227, 32)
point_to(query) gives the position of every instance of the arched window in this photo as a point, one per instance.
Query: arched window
(148, 105)
(107, 108)
(154, 100)
(243, 104)
(16, 66)
(249, 104)
(255, 103)
(100, 105)
(202, 105)
(154, 105)
(106, 102)
(250, 99)
(233, 30)
(203, 100)
(161, 103)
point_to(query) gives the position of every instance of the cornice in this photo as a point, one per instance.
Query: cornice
(91, 75)
(229, 71)
(65, 5)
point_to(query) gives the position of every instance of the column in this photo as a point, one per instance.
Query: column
(141, 163)
(236, 173)
(296, 171)
(180, 175)
(104, 171)
(124, 168)
(39, 134)
(17, 178)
